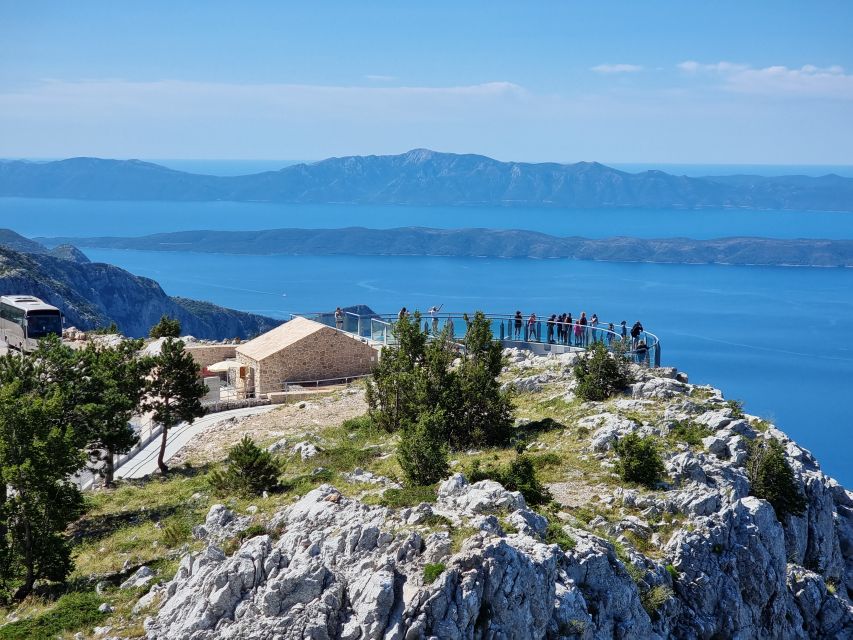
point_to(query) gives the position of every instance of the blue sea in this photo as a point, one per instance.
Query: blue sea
(780, 339)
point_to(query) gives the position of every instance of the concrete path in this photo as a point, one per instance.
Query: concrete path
(145, 462)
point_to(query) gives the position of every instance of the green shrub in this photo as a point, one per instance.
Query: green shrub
(688, 432)
(639, 460)
(772, 479)
(166, 328)
(250, 470)
(73, 611)
(653, 599)
(518, 475)
(432, 571)
(673, 572)
(422, 452)
(555, 534)
(362, 424)
(600, 374)
(737, 408)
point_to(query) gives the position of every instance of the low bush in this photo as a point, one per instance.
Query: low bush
(639, 460)
(250, 470)
(771, 478)
(653, 599)
(166, 328)
(73, 611)
(518, 475)
(600, 374)
(432, 571)
(176, 532)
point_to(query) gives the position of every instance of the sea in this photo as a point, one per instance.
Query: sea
(780, 339)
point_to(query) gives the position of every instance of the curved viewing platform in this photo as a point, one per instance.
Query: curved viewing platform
(542, 336)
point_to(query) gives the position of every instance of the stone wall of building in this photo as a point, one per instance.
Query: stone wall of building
(321, 355)
(208, 354)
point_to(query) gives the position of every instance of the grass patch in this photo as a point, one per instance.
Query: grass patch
(73, 611)
(544, 460)
(673, 572)
(555, 534)
(432, 571)
(688, 432)
(459, 536)
(407, 497)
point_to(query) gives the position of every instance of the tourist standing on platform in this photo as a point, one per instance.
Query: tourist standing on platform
(636, 330)
(551, 320)
(593, 323)
(642, 352)
(569, 328)
(433, 312)
(403, 313)
(611, 333)
(624, 331)
(583, 322)
(339, 319)
(531, 328)
(519, 321)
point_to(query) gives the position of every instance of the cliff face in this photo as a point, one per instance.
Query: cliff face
(93, 294)
(699, 557)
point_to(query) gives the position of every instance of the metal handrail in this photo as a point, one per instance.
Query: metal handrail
(378, 327)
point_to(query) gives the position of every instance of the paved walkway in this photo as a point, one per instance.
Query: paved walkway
(145, 462)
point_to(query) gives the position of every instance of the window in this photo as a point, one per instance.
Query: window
(43, 323)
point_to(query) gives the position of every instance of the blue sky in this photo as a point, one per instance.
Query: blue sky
(667, 82)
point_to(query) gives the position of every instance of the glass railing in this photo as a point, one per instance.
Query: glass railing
(529, 332)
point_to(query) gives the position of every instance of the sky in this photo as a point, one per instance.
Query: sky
(760, 82)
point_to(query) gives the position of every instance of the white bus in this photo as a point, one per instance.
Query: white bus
(25, 319)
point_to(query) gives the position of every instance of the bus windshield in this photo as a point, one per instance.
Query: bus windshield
(43, 323)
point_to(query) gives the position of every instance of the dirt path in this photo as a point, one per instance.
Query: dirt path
(294, 420)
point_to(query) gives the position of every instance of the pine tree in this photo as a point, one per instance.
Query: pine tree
(483, 417)
(121, 377)
(600, 374)
(37, 458)
(250, 470)
(166, 328)
(174, 391)
(395, 394)
(772, 479)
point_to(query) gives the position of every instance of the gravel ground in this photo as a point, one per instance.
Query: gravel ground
(290, 420)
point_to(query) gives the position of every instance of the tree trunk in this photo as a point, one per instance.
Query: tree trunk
(109, 470)
(27, 587)
(160, 463)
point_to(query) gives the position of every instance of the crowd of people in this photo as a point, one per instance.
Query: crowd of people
(564, 329)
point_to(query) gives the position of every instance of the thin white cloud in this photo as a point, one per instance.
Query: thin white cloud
(380, 78)
(808, 81)
(617, 68)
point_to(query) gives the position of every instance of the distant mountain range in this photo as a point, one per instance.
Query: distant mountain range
(423, 177)
(418, 241)
(93, 295)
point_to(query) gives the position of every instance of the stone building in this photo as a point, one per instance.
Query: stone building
(301, 350)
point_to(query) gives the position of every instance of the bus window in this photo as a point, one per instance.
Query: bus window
(43, 323)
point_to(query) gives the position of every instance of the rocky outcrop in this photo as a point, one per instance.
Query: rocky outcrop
(698, 558)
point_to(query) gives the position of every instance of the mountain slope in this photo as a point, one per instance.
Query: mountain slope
(92, 295)
(418, 241)
(424, 177)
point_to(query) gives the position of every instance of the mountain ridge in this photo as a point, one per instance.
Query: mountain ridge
(425, 177)
(94, 294)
